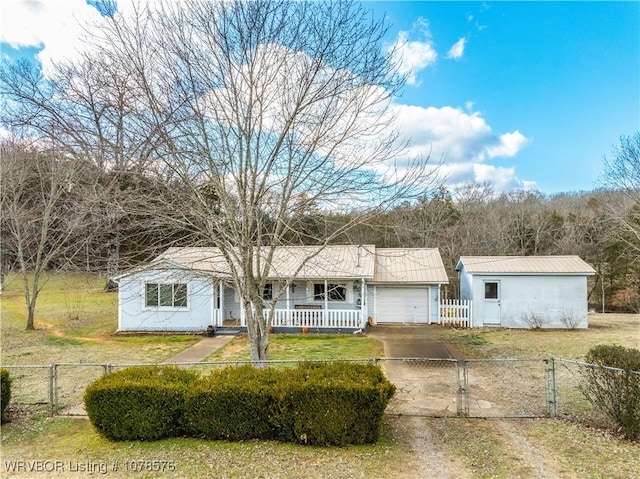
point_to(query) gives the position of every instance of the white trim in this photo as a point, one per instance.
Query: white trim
(221, 301)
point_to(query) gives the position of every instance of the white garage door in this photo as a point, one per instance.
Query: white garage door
(402, 305)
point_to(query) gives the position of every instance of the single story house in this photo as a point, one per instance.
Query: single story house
(339, 288)
(526, 291)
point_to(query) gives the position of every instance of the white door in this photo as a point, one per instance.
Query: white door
(492, 304)
(401, 305)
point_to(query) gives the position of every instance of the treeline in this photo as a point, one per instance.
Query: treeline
(67, 214)
(475, 221)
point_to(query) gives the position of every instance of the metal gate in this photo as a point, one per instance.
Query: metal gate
(472, 388)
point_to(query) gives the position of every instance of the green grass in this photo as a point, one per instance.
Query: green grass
(487, 449)
(623, 329)
(75, 321)
(74, 441)
(304, 347)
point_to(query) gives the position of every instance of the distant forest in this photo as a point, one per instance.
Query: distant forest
(71, 216)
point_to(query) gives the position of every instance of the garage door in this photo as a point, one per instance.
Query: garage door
(402, 305)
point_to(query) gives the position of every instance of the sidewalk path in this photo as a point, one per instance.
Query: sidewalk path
(200, 350)
(196, 353)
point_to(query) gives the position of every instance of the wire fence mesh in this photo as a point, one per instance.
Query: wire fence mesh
(424, 387)
(505, 388)
(497, 388)
(571, 401)
(31, 384)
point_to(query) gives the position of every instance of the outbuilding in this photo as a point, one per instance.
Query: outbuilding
(526, 291)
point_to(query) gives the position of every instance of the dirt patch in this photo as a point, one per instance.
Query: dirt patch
(533, 461)
(428, 459)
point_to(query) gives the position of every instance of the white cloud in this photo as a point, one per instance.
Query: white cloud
(54, 25)
(457, 49)
(463, 138)
(413, 56)
(464, 141)
(508, 145)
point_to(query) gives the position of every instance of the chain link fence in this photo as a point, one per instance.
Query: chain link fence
(505, 388)
(492, 388)
(424, 387)
(571, 402)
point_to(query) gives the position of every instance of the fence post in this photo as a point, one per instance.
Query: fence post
(53, 389)
(458, 390)
(466, 387)
(462, 389)
(552, 391)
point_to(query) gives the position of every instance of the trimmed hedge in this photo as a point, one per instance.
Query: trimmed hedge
(320, 404)
(5, 391)
(145, 403)
(315, 403)
(615, 392)
(341, 405)
(235, 403)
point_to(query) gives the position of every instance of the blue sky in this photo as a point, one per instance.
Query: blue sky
(520, 94)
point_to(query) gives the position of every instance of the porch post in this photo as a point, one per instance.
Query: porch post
(213, 303)
(325, 315)
(221, 302)
(363, 303)
(288, 312)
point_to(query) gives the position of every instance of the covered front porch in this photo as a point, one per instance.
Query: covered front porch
(302, 306)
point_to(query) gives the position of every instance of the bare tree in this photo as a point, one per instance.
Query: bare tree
(622, 173)
(43, 201)
(88, 110)
(254, 112)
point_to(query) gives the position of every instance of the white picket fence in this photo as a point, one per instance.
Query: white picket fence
(456, 312)
(320, 319)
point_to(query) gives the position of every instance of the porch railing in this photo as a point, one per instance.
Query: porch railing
(456, 312)
(320, 318)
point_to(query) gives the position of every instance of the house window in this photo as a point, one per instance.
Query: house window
(267, 292)
(166, 295)
(491, 290)
(335, 292)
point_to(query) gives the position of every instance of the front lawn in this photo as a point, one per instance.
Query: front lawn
(488, 343)
(75, 322)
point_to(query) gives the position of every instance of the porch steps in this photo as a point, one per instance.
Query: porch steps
(229, 330)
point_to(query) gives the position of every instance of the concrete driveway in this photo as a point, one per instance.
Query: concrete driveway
(409, 341)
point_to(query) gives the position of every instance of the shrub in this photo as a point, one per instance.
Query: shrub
(5, 391)
(322, 404)
(570, 319)
(144, 403)
(235, 403)
(339, 404)
(533, 320)
(615, 392)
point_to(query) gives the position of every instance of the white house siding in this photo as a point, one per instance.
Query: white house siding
(466, 289)
(133, 315)
(548, 297)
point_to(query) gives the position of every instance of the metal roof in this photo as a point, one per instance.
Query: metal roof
(383, 265)
(409, 265)
(568, 265)
(333, 261)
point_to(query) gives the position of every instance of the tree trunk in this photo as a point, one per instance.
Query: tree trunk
(113, 265)
(258, 331)
(31, 317)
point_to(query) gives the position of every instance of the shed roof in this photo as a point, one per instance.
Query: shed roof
(409, 265)
(544, 265)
